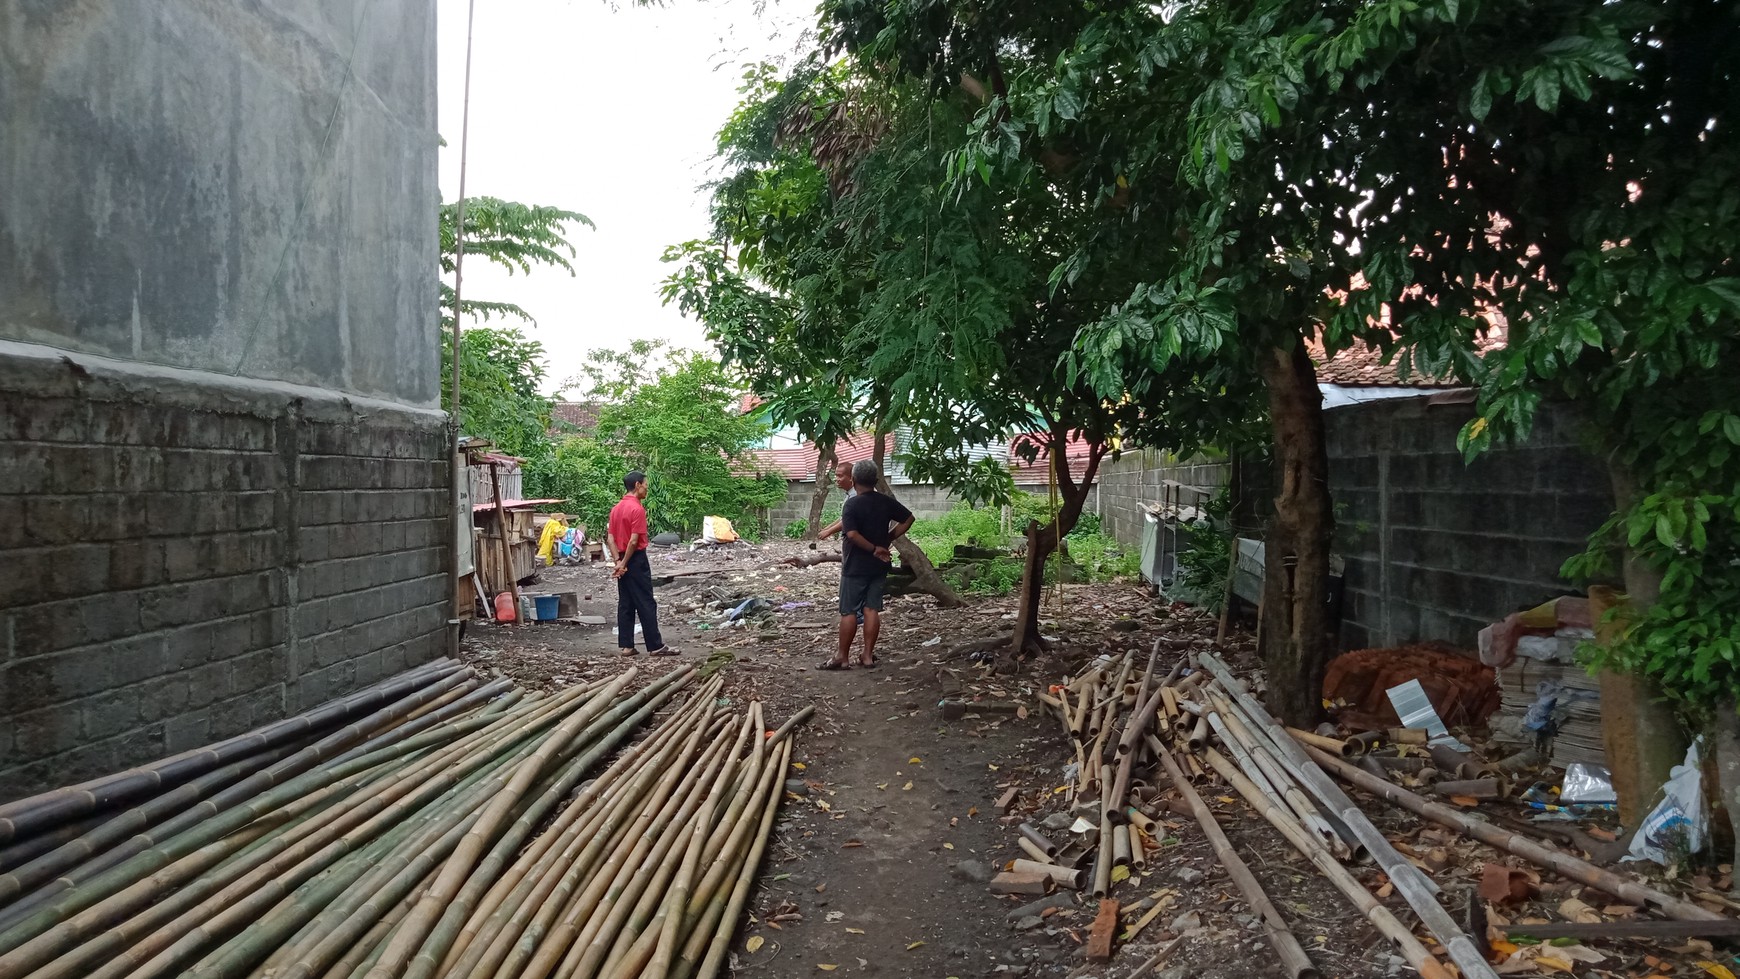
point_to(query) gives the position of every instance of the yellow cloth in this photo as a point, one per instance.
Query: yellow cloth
(553, 532)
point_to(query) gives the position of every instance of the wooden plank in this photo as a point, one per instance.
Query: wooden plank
(1099, 943)
(1008, 798)
(1641, 928)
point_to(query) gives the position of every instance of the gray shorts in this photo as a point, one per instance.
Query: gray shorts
(859, 593)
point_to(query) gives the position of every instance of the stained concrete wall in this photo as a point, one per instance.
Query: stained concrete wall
(1438, 549)
(223, 476)
(241, 187)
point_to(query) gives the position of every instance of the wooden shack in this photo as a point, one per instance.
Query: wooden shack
(504, 539)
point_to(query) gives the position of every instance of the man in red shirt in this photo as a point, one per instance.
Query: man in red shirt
(634, 584)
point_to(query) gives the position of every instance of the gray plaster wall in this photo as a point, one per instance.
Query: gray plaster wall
(223, 474)
(237, 186)
(1437, 549)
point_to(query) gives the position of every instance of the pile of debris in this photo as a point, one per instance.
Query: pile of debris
(433, 825)
(1145, 738)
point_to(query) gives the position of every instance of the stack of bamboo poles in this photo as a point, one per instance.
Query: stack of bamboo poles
(435, 825)
(1198, 719)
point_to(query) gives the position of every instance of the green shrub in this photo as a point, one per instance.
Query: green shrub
(797, 529)
(1102, 558)
(997, 576)
(1205, 554)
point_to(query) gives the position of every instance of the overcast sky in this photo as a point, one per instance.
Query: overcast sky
(609, 112)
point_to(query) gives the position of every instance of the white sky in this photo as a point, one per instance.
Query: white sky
(609, 112)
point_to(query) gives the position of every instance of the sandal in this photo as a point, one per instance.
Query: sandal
(665, 651)
(833, 664)
(630, 651)
(875, 661)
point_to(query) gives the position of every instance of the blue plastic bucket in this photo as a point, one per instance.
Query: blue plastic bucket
(547, 607)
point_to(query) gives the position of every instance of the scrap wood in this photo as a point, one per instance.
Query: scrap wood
(1293, 958)
(1410, 882)
(1105, 928)
(1719, 928)
(1312, 849)
(1558, 861)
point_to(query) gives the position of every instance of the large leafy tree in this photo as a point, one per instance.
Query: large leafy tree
(674, 414)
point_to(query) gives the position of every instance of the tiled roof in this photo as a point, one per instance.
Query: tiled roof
(800, 463)
(1362, 365)
(749, 402)
(581, 416)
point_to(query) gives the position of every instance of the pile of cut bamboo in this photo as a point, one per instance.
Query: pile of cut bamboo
(435, 825)
(1199, 719)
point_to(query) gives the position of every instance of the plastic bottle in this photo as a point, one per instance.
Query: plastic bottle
(504, 607)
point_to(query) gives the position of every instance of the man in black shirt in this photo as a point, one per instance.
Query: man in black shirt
(871, 522)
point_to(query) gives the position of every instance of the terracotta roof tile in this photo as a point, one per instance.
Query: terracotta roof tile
(581, 416)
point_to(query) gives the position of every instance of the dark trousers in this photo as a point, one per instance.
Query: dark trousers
(634, 596)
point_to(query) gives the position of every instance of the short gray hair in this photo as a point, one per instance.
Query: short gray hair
(865, 473)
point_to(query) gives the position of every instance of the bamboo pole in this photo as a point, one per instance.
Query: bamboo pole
(424, 916)
(574, 915)
(1254, 757)
(1381, 918)
(586, 827)
(1415, 887)
(1293, 958)
(585, 810)
(603, 737)
(16, 916)
(709, 967)
(1534, 851)
(523, 927)
(1334, 746)
(27, 816)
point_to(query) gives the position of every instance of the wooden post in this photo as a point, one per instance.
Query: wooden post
(507, 552)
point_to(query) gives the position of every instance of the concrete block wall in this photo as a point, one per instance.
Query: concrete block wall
(183, 566)
(1437, 549)
(1134, 480)
(923, 499)
(223, 471)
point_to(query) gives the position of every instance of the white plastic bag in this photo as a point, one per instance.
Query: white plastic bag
(1679, 823)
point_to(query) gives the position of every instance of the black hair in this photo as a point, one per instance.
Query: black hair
(633, 479)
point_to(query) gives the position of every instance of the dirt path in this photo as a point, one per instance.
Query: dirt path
(871, 855)
(884, 846)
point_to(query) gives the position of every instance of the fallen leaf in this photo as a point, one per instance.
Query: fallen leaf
(915, 760)
(833, 916)
(821, 887)
(800, 766)
(1716, 969)
(913, 946)
(881, 786)
(854, 931)
(1120, 874)
(907, 787)
(948, 846)
(1021, 712)
(849, 844)
(863, 963)
(992, 767)
(974, 811)
(1465, 801)
(822, 804)
(1549, 963)
(826, 966)
(1229, 800)
(755, 942)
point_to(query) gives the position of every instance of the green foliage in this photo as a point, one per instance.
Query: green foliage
(1205, 553)
(964, 524)
(797, 529)
(673, 414)
(583, 472)
(995, 577)
(1100, 557)
(499, 376)
(514, 236)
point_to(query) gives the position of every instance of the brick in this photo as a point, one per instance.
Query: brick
(187, 731)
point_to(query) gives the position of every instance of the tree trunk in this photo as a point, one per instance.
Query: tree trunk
(1728, 767)
(924, 574)
(1295, 626)
(1643, 736)
(825, 459)
(1042, 542)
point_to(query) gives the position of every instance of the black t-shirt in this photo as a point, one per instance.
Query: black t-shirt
(870, 514)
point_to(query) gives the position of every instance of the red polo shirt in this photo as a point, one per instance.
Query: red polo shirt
(627, 517)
